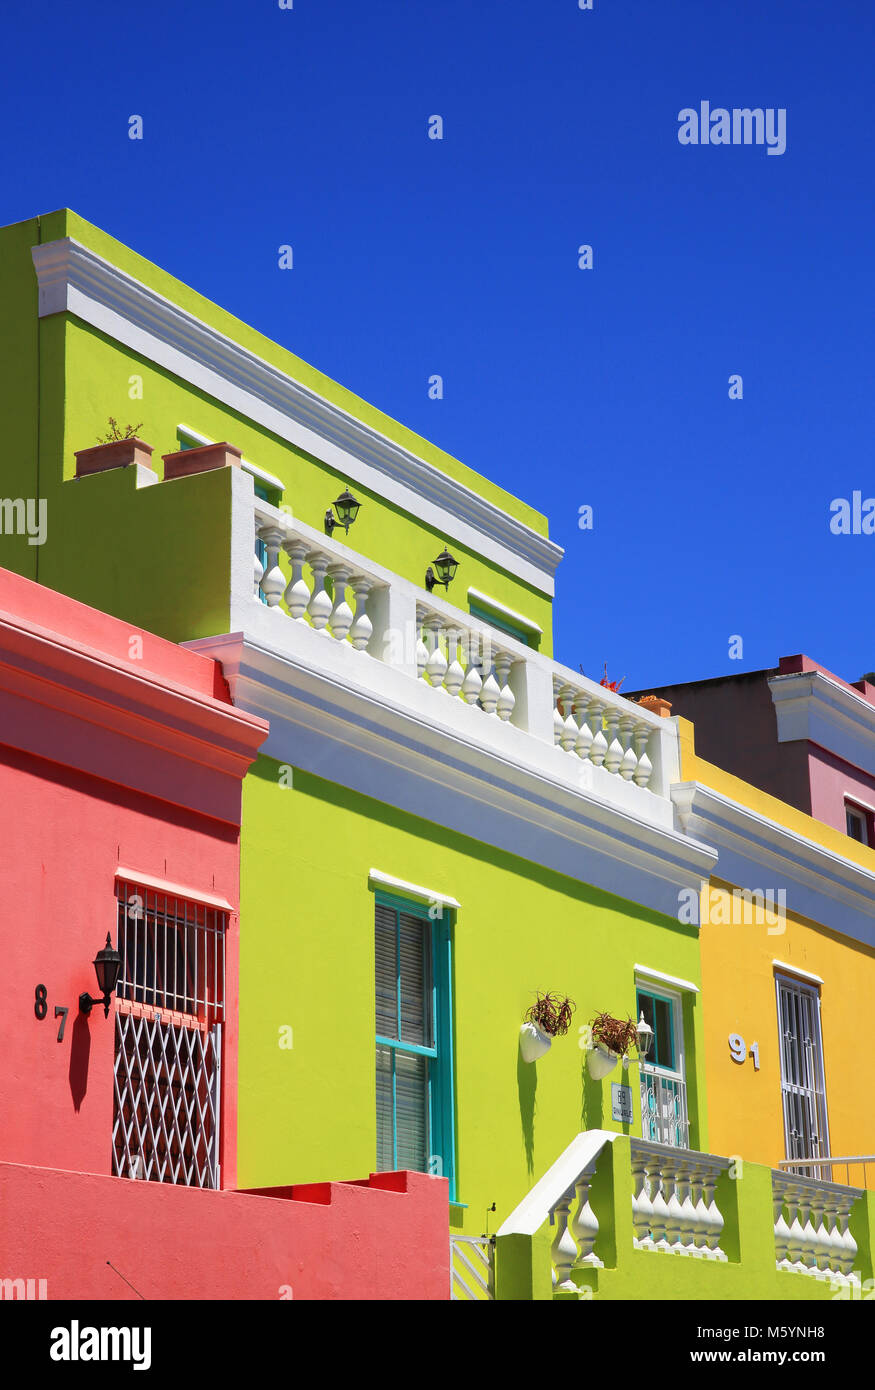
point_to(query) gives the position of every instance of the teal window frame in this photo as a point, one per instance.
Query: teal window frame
(673, 1022)
(440, 1085)
(260, 547)
(503, 624)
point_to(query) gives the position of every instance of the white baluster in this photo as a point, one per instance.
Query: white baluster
(421, 648)
(701, 1223)
(629, 760)
(599, 746)
(585, 1226)
(687, 1242)
(490, 689)
(584, 734)
(436, 665)
(848, 1244)
(715, 1216)
(258, 569)
(362, 629)
(644, 769)
(659, 1207)
(782, 1230)
(473, 682)
(642, 1210)
(320, 604)
(506, 698)
(340, 621)
(297, 594)
(795, 1237)
(674, 1220)
(455, 670)
(558, 719)
(570, 731)
(273, 580)
(563, 1249)
(614, 755)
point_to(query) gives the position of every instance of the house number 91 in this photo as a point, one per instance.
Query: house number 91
(738, 1049)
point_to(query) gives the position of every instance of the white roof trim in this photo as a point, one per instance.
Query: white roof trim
(648, 973)
(413, 890)
(74, 279)
(756, 852)
(261, 473)
(174, 890)
(495, 607)
(794, 970)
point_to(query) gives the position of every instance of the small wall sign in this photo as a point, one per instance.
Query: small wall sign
(621, 1103)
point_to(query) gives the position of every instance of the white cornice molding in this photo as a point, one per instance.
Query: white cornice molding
(408, 746)
(754, 852)
(810, 705)
(76, 280)
(647, 973)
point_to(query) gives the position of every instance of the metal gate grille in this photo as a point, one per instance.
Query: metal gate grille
(802, 1082)
(168, 1038)
(472, 1272)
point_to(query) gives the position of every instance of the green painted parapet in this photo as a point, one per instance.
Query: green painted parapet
(619, 1218)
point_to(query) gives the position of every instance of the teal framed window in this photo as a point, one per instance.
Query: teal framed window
(502, 624)
(414, 1051)
(260, 547)
(659, 1012)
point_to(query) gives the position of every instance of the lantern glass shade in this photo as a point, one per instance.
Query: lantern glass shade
(645, 1036)
(107, 964)
(445, 566)
(347, 508)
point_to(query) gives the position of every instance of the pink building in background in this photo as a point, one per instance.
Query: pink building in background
(797, 732)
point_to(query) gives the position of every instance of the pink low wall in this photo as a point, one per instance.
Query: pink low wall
(386, 1237)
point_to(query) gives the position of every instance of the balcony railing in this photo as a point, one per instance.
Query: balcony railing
(674, 1209)
(355, 602)
(812, 1234)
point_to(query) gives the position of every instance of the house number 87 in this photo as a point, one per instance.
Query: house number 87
(738, 1049)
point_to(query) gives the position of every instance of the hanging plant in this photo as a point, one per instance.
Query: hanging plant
(548, 1018)
(612, 1038)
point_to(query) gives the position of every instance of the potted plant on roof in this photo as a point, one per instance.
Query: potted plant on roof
(612, 1038)
(548, 1018)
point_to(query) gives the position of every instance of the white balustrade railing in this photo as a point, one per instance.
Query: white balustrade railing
(332, 590)
(674, 1209)
(812, 1234)
(594, 726)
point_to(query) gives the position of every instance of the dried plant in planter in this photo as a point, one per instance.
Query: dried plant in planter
(116, 433)
(615, 1034)
(551, 1014)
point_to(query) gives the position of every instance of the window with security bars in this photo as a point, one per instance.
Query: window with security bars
(413, 1040)
(664, 1117)
(803, 1089)
(168, 1041)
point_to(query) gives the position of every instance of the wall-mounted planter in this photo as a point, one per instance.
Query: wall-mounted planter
(600, 1062)
(203, 460)
(533, 1042)
(119, 453)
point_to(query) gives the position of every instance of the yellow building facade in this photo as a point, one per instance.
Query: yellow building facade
(787, 939)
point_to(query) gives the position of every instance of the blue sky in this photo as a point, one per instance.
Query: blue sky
(607, 387)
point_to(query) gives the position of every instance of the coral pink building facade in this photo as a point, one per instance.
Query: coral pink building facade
(121, 765)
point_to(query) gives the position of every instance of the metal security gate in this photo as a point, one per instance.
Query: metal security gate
(664, 1118)
(472, 1268)
(168, 1039)
(803, 1091)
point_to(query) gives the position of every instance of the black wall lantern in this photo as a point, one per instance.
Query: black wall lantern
(107, 964)
(347, 508)
(446, 568)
